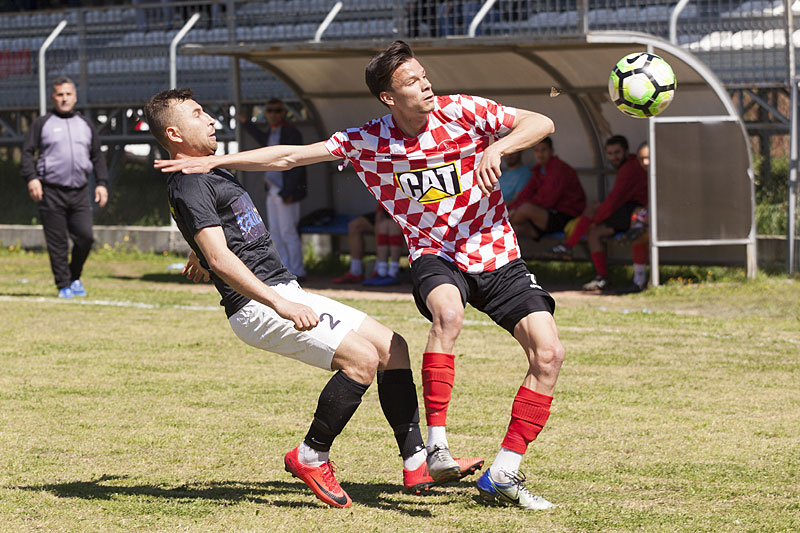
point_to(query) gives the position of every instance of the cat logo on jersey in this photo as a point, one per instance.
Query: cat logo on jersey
(428, 185)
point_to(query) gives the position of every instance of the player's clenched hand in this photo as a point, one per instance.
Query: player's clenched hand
(187, 165)
(304, 317)
(194, 271)
(488, 172)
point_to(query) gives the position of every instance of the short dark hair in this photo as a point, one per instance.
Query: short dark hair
(158, 112)
(61, 80)
(548, 141)
(274, 101)
(618, 139)
(643, 145)
(380, 68)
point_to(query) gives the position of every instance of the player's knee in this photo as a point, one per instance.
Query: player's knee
(365, 365)
(448, 320)
(358, 225)
(548, 358)
(399, 347)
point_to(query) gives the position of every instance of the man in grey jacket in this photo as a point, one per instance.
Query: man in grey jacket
(69, 149)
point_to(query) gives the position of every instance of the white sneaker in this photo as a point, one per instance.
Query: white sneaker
(512, 493)
(441, 465)
(597, 284)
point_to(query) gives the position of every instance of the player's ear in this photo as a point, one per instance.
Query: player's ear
(174, 134)
(386, 98)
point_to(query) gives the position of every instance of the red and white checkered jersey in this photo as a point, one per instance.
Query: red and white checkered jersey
(427, 182)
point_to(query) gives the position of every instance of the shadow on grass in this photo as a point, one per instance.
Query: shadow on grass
(379, 496)
(157, 277)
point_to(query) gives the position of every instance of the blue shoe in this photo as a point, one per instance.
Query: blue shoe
(512, 493)
(381, 281)
(66, 292)
(77, 288)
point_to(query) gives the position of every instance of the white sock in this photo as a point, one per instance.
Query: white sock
(356, 266)
(437, 435)
(394, 268)
(311, 457)
(381, 268)
(507, 461)
(639, 274)
(415, 461)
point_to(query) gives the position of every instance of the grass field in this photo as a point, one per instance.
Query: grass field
(139, 410)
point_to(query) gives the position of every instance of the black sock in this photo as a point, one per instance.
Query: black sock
(398, 398)
(337, 403)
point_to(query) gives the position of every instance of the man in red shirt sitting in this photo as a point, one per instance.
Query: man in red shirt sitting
(613, 215)
(552, 197)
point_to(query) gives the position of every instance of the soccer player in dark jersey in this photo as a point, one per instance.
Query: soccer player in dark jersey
(433, 163)
(266, 307)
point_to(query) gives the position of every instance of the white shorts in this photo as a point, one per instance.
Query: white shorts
(260, 326)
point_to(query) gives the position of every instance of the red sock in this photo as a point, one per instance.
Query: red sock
(580, 230)
(640, 254)
(381, 239)
(529, 414)
(600, 264)
(395, 240)
(438, 373)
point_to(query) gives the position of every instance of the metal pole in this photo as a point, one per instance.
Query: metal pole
(327, 22)
(673, 21)
(583, 17)
(42, 81)
(652, 211)
(473, 26)
(173, 50)
(792, 185)
(237, 99)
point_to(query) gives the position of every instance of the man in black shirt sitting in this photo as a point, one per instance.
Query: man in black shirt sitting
(267, 309)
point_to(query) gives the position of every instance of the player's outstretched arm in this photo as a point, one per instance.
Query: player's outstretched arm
(528, 129)
(278, 158)
(230, 268)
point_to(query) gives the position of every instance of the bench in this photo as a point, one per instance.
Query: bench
(327, 235)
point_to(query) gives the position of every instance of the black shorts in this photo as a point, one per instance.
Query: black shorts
(507, 294)
(556, 220)
(620, 220)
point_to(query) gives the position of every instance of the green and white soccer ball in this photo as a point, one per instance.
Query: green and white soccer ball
(642, 85)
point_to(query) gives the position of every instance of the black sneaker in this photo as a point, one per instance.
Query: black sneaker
(633, 288)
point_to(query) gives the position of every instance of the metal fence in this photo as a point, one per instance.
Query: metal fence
(120, 54)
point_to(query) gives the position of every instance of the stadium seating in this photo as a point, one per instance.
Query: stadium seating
(126, 48)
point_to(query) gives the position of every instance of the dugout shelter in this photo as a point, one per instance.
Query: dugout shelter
(702, 200)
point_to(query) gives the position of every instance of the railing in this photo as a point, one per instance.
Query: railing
(120, 54)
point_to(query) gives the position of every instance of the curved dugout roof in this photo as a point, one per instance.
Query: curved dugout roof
(329, 79)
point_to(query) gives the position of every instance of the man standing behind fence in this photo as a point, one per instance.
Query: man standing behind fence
(69, 148)
(284, 189)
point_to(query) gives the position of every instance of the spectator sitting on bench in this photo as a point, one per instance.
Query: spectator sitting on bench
(514, 177)
(552, 197)
(388, 247)
(613, 215)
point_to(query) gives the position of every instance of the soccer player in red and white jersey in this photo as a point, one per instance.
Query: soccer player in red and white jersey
(434, 163)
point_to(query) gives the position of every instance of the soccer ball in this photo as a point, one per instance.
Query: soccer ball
(642, 85)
